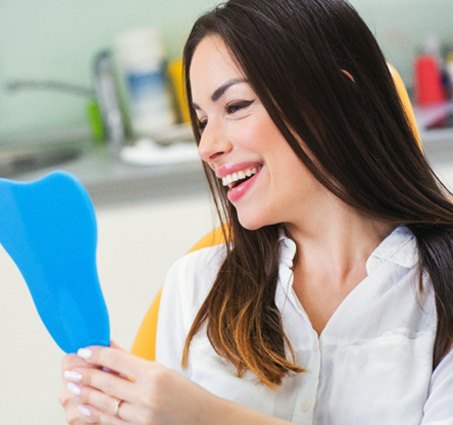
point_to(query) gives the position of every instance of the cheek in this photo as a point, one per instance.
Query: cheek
(248, 136)
(255, 132)
(288, 171)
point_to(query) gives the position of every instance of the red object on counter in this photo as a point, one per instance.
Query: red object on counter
(428, 81)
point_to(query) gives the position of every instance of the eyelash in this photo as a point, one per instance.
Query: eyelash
(237, 106)
(230, 109)
(201, 125)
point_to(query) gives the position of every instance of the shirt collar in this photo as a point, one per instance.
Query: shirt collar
(399, 247)
(288, 250)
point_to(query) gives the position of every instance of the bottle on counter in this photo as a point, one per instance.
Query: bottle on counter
(108, 100)
(428, 85)
(141, 59)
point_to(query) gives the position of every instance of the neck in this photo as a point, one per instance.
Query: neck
(338, 236)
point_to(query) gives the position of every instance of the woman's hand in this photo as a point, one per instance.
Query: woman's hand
(68, 396)
(110, 386)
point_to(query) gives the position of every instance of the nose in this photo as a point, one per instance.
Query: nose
(213, 143)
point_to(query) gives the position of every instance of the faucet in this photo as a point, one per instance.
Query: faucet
(104, 92)
(13, 85)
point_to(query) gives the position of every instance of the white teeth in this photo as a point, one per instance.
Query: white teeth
(240, 175)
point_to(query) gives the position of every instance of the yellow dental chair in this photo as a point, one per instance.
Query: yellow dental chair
(145, 341)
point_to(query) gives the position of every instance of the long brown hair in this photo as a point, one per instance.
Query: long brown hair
(294, 54)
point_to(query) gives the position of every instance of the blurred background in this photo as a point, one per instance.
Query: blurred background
(50, 40)
(59, 61)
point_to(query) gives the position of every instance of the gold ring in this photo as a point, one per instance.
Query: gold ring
(116, 407)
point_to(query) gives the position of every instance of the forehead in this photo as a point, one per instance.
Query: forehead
(212, 64)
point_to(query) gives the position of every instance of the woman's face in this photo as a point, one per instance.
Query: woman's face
(267, 183)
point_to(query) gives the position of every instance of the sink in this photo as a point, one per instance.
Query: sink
(16, 159)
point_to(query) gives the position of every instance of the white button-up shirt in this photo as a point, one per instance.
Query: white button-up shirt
(372, 363)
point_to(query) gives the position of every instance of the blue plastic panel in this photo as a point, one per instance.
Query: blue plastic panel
(48, 227)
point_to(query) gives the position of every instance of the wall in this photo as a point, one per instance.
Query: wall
(401, 26)
(57, 40)
(49, 39)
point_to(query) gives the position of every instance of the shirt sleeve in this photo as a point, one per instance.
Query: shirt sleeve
(186, 286)
(438, 409)
(171, 332)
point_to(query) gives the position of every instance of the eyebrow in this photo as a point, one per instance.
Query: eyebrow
(219, 92)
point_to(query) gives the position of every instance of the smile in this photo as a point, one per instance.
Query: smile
(234, 179)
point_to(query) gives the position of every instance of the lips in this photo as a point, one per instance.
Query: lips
(239, 178)
(230, 168)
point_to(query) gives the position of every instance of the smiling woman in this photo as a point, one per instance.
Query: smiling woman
(331, 296)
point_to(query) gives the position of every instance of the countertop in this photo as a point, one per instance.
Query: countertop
(109, 180)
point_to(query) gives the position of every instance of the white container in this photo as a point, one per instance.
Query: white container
(140, 56)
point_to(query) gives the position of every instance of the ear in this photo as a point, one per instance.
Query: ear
(348, 74)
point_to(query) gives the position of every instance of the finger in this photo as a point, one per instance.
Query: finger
(120, 361)
(85, 405)
(103, 407)
(113, 385)
(65, 398)
(85, 414)
(81, 415)
(101, 418)
(113, 344)
(74, 375)
(71, 361)
(71, 406)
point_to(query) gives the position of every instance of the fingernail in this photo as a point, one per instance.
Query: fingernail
(73, 388)
(85, 353)
(72, 375)
(84, 410)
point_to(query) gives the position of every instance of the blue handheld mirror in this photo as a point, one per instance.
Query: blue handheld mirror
(48, 227)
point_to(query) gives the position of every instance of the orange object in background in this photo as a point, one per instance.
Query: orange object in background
(175, 72)
(428, 81)
(406, 102)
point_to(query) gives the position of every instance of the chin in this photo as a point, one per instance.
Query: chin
(253, 221)
(250, 226)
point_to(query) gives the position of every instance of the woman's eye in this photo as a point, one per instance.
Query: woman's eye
(237, 106)
(202, 124)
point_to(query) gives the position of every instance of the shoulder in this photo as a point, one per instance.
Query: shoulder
(191, 277)
(186, 286)
(198, 266)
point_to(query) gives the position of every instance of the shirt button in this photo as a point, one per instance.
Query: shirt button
(305, 405)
